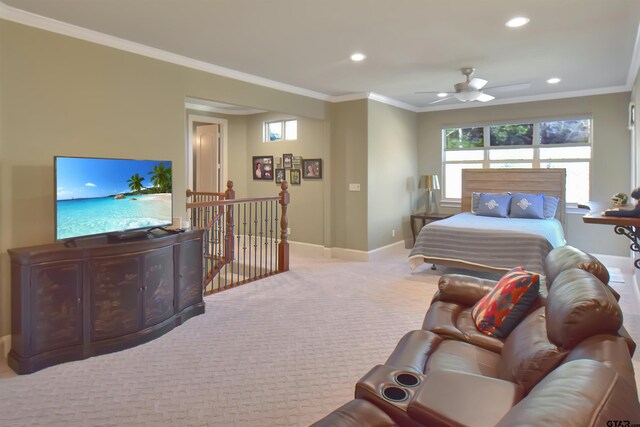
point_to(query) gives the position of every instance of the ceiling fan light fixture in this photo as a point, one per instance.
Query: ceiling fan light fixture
(467, 96)
(516, 22)
(485, 97)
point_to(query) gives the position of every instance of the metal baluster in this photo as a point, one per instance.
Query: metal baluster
(261, 239)
(206, 243)
(277, 232)
(266, 236)
(271, 238)
(233, 227)
(255, 241)
(238, 246)
(215, 231)
(250, 236)
(223, 256)
(244, 242)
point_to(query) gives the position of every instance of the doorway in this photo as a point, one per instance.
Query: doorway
(206, 153)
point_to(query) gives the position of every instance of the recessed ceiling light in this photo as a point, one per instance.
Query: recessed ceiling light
(357, 57)
(442, 94)
(517, 22)
(554, 80)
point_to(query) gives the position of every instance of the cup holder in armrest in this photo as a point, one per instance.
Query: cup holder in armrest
(407, 379)
(395, 394)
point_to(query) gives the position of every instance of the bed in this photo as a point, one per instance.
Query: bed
(476, 242)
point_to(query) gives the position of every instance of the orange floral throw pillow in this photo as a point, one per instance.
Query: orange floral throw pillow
(500, 311)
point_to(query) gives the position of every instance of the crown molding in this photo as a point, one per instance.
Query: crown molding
(374, 97)
(348, 97)
(48, 24)
(634, 67)
(390, 101)
(533, 98)
(211, 109)
(33, 20)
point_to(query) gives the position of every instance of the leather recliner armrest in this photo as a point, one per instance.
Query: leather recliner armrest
(356, 413)
(452, 398)
(462, 289)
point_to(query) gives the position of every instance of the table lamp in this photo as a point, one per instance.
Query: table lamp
(430, 183)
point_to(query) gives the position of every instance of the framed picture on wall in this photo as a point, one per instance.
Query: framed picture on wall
(280, 175)
(287, 159)
(262, 167)
(312, 168)
(295, 176)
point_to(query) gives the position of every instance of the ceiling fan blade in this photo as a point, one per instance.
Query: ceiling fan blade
(485, 97)
(441, 99)
(477, 83)
(509, 88)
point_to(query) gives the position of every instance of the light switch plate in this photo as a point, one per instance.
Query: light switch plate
(354, 187)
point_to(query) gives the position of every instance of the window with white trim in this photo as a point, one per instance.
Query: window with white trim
(528, 144)
(280, 130)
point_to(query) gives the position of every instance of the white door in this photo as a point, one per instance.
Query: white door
(206, 158)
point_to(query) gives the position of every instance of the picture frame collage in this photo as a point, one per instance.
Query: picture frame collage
(264, 168)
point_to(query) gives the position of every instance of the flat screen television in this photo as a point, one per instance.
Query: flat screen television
(101, 195)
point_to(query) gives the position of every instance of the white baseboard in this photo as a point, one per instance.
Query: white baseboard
(308, 250)
(349, 254)
(611, 261)
(311, 250)
(5, 345)
(382, 252)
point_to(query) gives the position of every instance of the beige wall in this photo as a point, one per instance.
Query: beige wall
(307, 212)
(635, 160)
(349, 156)
(71, 97)
(610, 169)
(392, 170)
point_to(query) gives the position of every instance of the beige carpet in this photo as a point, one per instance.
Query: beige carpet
(284, 351)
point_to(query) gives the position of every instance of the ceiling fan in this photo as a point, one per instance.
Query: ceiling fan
(473, 89)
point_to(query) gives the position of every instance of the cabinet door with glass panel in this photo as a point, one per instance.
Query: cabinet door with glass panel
(525, 144)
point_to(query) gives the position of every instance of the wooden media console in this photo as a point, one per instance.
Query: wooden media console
(71, 303)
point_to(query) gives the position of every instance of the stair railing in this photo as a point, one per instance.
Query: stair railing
(244, 239)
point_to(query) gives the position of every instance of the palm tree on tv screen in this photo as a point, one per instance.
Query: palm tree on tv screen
(161, 178)
(135, 182)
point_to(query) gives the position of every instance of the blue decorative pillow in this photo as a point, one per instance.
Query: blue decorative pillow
(493, 205)
(550, 206)
(475, 199)
(527, 206)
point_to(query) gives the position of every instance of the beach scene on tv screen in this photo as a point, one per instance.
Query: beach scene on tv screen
(96, 196)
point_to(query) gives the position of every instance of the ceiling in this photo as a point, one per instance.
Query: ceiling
(411, 45)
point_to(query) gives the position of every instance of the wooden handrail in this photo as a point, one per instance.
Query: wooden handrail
(231, 202)
(241, 236)
(203, 193)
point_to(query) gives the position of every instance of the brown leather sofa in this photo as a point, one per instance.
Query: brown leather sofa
(450, 312)
(564, 364)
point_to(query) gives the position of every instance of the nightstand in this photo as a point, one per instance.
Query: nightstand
(424, 217)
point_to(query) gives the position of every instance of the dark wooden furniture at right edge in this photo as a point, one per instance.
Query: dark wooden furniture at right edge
(70, 303)
(625, 226)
